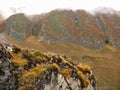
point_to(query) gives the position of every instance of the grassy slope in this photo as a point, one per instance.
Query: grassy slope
(105, 62)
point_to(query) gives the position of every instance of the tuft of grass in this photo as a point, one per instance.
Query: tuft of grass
(19, 62)
(28, 75)
(53, 66)
(36, 53)
(56, 66)
(84, 68)
(32, 73)
(66, 72)
(85, 82)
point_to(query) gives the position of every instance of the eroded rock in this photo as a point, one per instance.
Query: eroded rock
(7, 79)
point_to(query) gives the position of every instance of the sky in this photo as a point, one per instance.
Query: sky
(9, 7)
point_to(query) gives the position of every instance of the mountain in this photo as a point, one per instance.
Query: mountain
(17, 26)
(70, 27)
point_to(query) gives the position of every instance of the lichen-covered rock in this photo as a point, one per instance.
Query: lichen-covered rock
(7, 79)
(32, 70)
(50, 71)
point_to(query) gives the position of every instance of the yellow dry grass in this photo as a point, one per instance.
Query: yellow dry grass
(18, 60)
(66, 72)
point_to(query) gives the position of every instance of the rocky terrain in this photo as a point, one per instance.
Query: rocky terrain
(22, 69)
(66, 26)
(86, 37)
(8, 77)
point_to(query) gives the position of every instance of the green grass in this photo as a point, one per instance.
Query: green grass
(33, 37)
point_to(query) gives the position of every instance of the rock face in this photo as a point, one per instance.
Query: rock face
(17, 26)
(109, 25)
(81, 28)
(69, 27)
(7, 80)
(35, 25)
(59, 82)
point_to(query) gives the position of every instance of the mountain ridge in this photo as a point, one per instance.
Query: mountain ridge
(67, 26)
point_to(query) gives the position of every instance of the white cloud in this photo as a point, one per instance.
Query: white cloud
(40, 6)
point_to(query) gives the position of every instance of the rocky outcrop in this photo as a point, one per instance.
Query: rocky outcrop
(7, 79)
(49, 71)
(33, 70)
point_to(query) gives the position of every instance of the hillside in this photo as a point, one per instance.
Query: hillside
(70, 27)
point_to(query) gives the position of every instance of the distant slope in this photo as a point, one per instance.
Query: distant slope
(81, 27)
(70, 27)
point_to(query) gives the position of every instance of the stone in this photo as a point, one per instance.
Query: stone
(7, 80)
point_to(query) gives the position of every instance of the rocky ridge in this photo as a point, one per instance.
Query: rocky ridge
(22, 69)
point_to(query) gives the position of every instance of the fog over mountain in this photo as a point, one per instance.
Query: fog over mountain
(37, 7)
